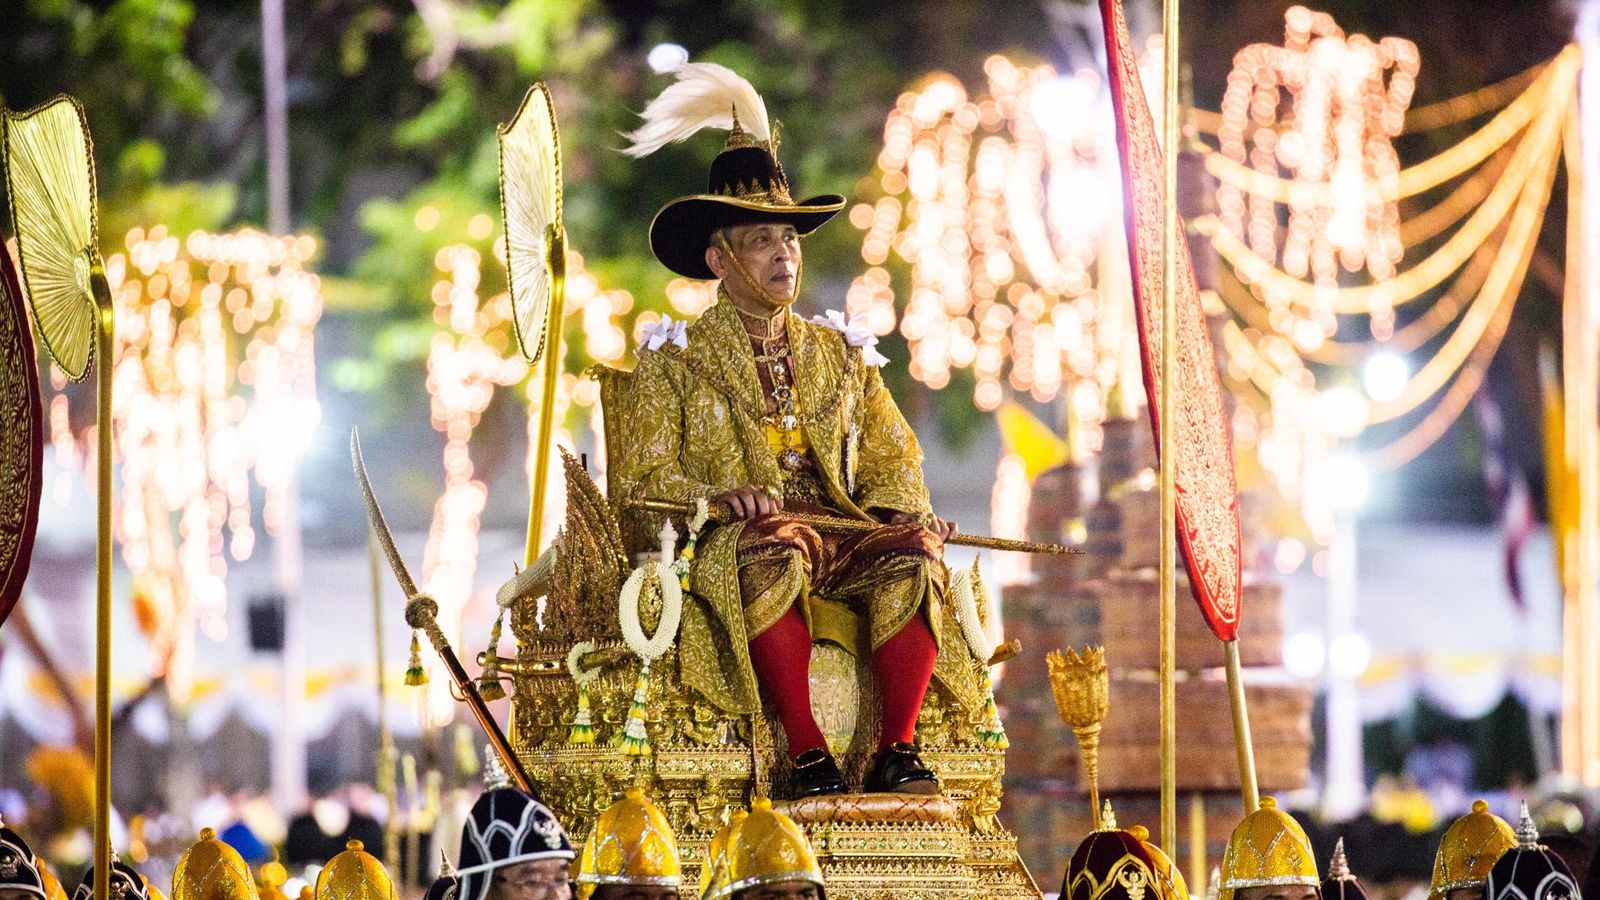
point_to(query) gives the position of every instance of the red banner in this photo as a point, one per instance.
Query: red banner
(21, 438)
(1208, 497)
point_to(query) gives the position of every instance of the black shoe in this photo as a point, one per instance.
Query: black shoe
(816, 774)
(899, 770)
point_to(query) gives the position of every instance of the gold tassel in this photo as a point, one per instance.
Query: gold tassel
(416, 675)
(489, 686)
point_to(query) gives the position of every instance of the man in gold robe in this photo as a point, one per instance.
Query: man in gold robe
(767, 413)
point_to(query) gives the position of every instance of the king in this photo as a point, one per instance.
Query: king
(770, 415)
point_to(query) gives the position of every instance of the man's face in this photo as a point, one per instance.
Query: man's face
(1278, 892)
(783, 890)
(635, 892)
(770, 253)
(542, 879)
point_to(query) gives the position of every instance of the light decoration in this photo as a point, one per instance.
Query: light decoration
(1000, 203)
(1310, 230)
(1338, 118)
(215, 374)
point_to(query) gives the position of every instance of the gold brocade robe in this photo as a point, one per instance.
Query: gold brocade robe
(696, 429)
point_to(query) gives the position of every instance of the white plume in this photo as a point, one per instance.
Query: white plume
(704, 96)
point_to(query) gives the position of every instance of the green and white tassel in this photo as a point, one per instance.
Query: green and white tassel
(635, 739)
(416, 675)
(582, 728)
(582, 731)
(992, 733)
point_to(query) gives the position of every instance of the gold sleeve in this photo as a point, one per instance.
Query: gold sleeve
(655, 464)
(889, 462)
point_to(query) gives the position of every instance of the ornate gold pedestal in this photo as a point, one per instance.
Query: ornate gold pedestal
(872, 846)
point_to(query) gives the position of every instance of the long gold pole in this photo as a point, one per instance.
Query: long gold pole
(1197, 844)
(1242, 743)
(556, 242)
(105, 316)
(1169, 424)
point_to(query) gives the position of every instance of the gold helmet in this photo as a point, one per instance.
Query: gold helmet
(354, 874)
(212, 870)
(768, 848)
(1268, 848)
(1169, 881)
(1469, 849)
(631, 843)
(714, 871)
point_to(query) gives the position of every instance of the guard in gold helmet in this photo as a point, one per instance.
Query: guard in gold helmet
(714, 871)
(631, 854)
(1469, 849)
(1269, 856)
(768, 858)
(212, 870)
(354, 874)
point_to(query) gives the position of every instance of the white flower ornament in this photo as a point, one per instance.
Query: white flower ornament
(666, 331)
(856, 334)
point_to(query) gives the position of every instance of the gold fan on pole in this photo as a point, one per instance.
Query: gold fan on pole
(49, 165)
(536, 264)
(50, 181)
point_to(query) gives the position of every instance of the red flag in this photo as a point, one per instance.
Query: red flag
(21, 438)
(1208, 497)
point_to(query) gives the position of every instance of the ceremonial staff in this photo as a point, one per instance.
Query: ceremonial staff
(421, 611)
(838, 524)
(51, 188)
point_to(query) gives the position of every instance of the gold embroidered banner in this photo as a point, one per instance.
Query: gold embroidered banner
(1208, 498)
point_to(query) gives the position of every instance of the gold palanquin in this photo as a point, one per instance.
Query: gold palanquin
(704, 763)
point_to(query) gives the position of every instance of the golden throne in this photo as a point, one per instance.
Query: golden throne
(705, 762)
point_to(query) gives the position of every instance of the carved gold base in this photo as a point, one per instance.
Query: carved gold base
(872, 847)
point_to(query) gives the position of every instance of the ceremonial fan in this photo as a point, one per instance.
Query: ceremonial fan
(50, 186)
(536, 266)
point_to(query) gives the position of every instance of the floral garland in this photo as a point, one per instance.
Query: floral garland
(966, 591)
(658, 576)
(582, 731)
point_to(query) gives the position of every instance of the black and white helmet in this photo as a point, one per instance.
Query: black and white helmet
(126, 883)
(447, 885)
(19, 868)
(506, 827)
(1530, 870)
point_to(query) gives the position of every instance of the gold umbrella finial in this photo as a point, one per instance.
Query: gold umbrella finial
(1082, 687)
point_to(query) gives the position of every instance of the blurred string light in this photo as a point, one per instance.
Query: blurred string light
(472, 356)
(215, 374)
(1003, 204)
(1310, 232)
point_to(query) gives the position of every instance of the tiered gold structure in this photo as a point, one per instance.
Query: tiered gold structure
(703, 765)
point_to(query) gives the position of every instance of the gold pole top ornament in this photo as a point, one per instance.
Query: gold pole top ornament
(1081, 685)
